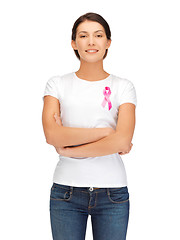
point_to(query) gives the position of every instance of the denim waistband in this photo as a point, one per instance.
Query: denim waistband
(67, 187)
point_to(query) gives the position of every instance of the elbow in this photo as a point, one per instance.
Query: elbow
(51, 140)
(48, 141)
(54, 137)
(124, 148)
(48, 136)
(125, 145)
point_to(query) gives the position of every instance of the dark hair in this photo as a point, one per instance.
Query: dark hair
(91, 17)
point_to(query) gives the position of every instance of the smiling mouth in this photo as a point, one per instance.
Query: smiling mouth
(91, 51)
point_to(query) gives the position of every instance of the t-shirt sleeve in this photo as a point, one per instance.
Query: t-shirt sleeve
(51, 88)
(129, 94)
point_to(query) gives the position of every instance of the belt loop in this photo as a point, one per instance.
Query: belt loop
(71, 187)
(108, 191)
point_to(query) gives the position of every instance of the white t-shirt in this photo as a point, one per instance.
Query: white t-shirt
(83, 105)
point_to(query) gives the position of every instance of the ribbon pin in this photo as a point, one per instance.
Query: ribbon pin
(106, 98)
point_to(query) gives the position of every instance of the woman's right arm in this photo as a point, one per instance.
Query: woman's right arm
(60, 136)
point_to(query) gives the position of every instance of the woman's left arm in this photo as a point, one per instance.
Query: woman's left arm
(117, 142)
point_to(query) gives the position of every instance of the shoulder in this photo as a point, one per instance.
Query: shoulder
(53, 80)
(121, 80)
(67, 76)
(57, 79)
(122, 83)
(125, 90)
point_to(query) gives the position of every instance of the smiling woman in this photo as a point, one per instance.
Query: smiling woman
(94, 125)
(84, 31)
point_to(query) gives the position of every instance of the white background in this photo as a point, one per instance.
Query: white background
(35, 45)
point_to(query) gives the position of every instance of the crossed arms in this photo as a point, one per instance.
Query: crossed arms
(93, 141)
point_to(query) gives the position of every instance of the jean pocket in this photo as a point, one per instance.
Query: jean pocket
(118, 195)
(59, 193)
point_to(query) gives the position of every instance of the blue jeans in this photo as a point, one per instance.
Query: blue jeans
(71, 206)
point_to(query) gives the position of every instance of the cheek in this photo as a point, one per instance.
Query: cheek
(81, 45)
(104, 44)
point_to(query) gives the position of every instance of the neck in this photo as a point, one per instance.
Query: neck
(91, 71)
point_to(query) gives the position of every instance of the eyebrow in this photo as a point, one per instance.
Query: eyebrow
(86, 32)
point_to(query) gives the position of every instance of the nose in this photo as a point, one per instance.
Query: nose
(91, 40)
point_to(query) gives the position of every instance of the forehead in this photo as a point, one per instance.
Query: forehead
(89, 26)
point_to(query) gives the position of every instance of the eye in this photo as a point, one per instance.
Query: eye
(99, 35)
(82, 36)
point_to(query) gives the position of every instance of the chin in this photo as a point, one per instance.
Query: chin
(92, 60)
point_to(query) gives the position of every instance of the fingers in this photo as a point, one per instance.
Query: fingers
(57, 118)
(122, 153)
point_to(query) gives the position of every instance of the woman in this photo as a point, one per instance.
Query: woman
(89, 117)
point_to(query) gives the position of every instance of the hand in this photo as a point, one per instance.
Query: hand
(59, 150)
(122, 153)
(58, 119)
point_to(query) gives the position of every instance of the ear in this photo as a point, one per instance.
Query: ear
(108, 43)
(73, 44)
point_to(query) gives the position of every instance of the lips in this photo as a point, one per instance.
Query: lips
(91, 50)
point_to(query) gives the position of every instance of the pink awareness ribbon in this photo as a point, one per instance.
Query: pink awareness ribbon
(106, 98)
